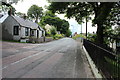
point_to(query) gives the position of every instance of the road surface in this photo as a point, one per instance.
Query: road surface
(62, 58)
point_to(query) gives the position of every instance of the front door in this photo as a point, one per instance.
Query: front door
(37, 33)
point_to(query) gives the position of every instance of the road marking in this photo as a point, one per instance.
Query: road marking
(74, 64)
(27, 57)
(74, 68)
(23, 59)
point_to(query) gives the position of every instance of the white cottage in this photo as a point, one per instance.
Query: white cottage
(16, 28)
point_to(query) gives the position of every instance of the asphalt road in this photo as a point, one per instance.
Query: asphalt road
(62, 58)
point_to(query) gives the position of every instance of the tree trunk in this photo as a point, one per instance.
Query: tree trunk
(36, 21)
(99, 33)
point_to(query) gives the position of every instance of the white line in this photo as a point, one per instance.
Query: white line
(74, 68)
(23, 59)
(20, 61)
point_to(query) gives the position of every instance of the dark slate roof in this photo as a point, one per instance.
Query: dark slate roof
(26, 23)
(41, 28)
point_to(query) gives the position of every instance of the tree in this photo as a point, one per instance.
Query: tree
(19, 14)
(6, 7)
(52, 19)
(81, 10)
(5, 4)
(35, 12)
(68, 33)
(53, 31)
(64, 27)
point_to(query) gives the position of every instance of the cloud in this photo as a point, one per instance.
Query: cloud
(23, 6)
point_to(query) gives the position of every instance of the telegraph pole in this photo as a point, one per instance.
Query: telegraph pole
(86, 23)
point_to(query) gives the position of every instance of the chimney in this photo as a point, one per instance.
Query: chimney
(10, 12)
(24, 17)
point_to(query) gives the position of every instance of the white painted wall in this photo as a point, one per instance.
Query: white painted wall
(35, 33)
(40, 34)
(9, 24)
(22, 32)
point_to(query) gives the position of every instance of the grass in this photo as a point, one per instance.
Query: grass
(113, 67)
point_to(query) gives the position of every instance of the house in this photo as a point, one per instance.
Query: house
(16, 28)
(49, 27)
(75, 34)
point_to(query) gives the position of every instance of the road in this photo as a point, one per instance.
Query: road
(62, 58)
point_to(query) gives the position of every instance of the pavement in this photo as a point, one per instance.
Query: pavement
(63, 58)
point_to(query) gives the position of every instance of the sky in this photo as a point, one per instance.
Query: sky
(23, 6)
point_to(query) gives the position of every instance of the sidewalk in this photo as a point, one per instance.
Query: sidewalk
(93, 67)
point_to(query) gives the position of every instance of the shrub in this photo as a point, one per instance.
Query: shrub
(53, 31)
(77, 36)
(58, 36)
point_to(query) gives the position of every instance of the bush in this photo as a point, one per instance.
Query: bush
(53, 31)
(58, 36)
(77, 36)
(92, 37)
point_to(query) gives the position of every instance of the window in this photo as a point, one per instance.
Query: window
(16, 30)
(32, 32)
(26, 31)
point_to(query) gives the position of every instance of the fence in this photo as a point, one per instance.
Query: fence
(106, 61)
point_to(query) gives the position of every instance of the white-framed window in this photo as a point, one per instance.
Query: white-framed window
(26, 31)
(16, 30)
(32, 32)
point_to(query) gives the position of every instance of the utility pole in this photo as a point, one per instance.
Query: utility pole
(86, 27)
(81, 28)
(86, 23)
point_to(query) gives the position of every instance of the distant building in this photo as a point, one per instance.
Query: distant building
(48, 27)
(75, 34)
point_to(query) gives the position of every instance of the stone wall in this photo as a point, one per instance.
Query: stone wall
(48, 39)
(40, 40)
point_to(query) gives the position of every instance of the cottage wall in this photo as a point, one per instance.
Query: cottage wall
(40, 34)
(22, 32)
(7, 29)
(35, 33)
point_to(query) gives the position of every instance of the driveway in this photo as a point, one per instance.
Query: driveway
(62, 58)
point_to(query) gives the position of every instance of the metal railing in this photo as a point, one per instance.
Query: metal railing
(107, 62)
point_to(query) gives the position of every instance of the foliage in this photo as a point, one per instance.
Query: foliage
(78, 36)
(19, 14)
(53, 31)
(117, 31)
(91, 37)
(35, 12)
(64, 27)
(112, 66)
(58, 36)
(10, 1)
(81, 10)
(68, 33)
(51, 19)
(48, 34)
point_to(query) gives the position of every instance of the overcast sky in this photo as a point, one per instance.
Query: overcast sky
(23, 6)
